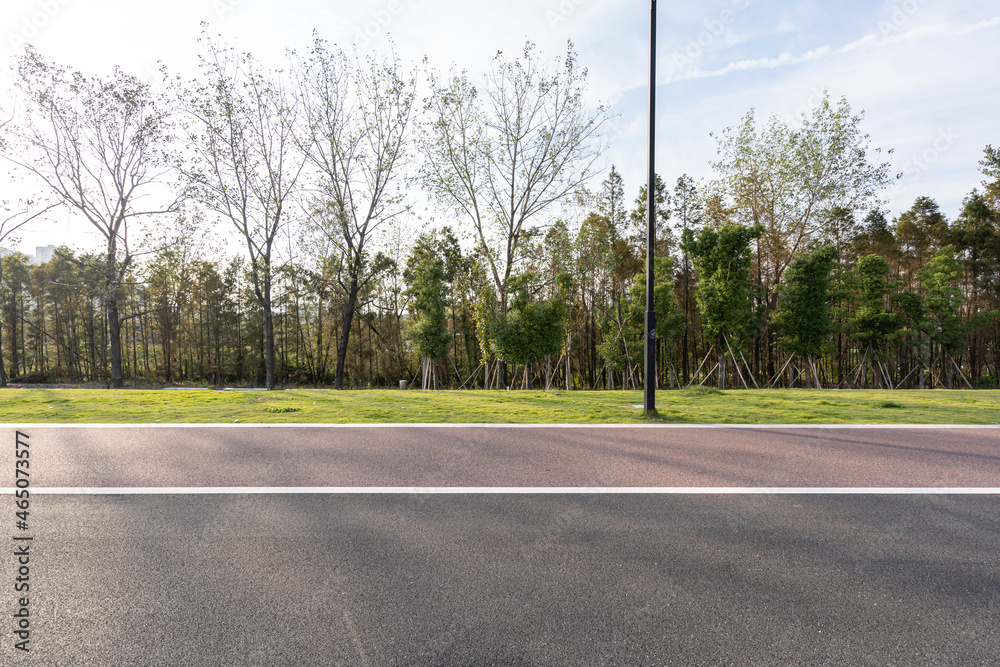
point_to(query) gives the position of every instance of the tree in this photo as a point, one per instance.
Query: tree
(12, 220)
(875, 237)
(990, 167)
(98, 146)
(976, 235)
(790, 180)
(872, 325)
(501, 156)
(355, 135)
(426, 274)
(939, 280)
(663, 239)
(611, 202)
(688, 211)
(802, 316)
(529, 330)
(839, 228)
(623, 343)
(920, 232)
(722, 260)
(170, 282)
(14, 285)
(243, 162)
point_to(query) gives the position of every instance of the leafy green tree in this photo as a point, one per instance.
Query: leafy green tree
(14, 285)
(977, 236)
(803, 317)
(912, 333)
(722, 259)
(875, 237)
(622, 347)
(531, 329)
(939, 280)
(920, 232)
(873, 325)
(787, 179)
(429, 292)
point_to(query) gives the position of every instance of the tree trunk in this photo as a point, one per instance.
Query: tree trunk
(3, 371)
(815, 371)
(269, 344)
(921, 370)
(115, 342)
(569, 373)
(721, 378)
(345, 333)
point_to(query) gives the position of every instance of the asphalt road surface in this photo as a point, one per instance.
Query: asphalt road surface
(518, 456)
(508, 579)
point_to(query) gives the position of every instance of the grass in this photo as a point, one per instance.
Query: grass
(691, 406)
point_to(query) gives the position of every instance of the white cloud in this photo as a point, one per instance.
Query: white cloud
(868, 42)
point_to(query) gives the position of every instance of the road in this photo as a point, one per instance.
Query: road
(510, 579)
(511, 456)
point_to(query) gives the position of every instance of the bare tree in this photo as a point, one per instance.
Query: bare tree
(357, 116)
(242, 160)
(98, 147)
(502, 156)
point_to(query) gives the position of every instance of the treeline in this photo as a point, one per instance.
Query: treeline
(904, 303)
(782, 271)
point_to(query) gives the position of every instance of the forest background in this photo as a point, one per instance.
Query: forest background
(783, 270)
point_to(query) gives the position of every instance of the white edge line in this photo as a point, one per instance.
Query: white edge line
(504, 490)
(495, 425)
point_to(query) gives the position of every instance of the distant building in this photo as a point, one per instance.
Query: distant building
(43, 254)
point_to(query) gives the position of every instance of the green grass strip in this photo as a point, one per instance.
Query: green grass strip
(767, 406)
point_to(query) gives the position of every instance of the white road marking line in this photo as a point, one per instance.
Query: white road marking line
(515, 426)
(502, 490)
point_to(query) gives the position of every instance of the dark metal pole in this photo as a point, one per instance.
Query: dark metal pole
(649, 378)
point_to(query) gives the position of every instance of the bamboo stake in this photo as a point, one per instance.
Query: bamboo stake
(777, 375)
(749, 370)
(473, 376)
(710, 350)
(735, 363)
(960, 373)
(707, 375)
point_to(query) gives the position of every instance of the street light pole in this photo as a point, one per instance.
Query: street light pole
(649, 333)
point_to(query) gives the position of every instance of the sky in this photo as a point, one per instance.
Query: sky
(924, 72)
